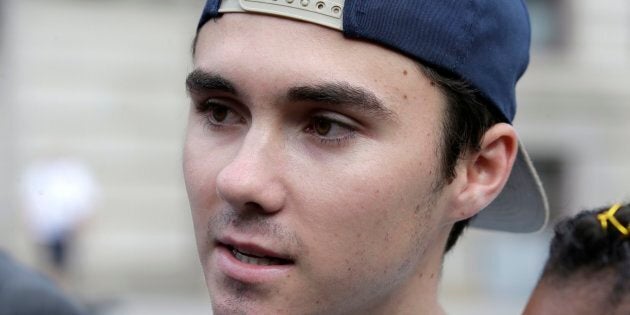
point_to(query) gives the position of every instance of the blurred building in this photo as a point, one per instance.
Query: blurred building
(103, 81)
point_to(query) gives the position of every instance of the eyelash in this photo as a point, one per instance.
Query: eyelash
(205, 109)
(339, 141)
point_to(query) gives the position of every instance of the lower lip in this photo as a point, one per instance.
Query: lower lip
(248, 273)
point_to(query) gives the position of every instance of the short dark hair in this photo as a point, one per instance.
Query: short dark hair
(582, 247)
(468, 116)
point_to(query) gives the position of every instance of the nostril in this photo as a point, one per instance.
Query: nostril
(253, 206)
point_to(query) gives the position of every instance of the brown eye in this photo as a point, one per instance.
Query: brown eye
(219, 113)
(322, 127)
(331, 128)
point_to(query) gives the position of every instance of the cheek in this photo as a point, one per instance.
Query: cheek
(199, 174)
(364, 215)
(369, 222)
(200, 168)
(195, 187)
(204, 156)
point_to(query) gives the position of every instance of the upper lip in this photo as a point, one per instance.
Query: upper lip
(252, 248)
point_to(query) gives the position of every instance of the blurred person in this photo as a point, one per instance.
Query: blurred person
(26, 292)
(59, 196)
(335, 151)
(588, 269)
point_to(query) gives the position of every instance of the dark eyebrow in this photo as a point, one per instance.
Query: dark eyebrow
(200, 80)
(341, 94)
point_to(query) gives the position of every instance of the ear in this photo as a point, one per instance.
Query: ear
(482, 175)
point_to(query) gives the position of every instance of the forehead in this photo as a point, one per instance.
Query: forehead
(299, 44)
(267, 54)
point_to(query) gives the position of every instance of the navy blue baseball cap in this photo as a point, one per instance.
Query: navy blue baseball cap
(483, 42)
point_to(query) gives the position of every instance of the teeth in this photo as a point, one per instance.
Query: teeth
(248, 253)
(260, 261)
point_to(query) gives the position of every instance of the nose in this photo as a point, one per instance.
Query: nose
(252, 180)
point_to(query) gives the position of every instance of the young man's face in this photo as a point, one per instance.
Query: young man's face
(320, 153)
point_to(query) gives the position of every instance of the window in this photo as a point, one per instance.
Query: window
(549, 19)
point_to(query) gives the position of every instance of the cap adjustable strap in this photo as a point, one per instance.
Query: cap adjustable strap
(328, 13)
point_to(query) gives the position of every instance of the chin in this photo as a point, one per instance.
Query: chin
(230, 297)
(237, 306)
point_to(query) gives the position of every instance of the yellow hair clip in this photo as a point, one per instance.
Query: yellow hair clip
(610, 216)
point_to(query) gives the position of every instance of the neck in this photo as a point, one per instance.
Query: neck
(419, 294)
(418, 299)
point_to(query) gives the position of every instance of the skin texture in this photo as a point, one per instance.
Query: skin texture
(348, 192)
(580, 294)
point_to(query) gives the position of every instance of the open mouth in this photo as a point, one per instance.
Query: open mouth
(255, 259)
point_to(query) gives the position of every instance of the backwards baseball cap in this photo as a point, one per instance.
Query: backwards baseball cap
(483, 42)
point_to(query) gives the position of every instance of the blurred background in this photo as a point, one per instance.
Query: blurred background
(97, 87)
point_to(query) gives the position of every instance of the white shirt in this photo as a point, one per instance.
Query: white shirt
(58, 195)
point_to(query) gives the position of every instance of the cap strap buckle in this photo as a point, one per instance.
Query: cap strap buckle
(328, 13)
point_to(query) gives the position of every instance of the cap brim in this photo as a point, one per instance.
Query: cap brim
(522, 205)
